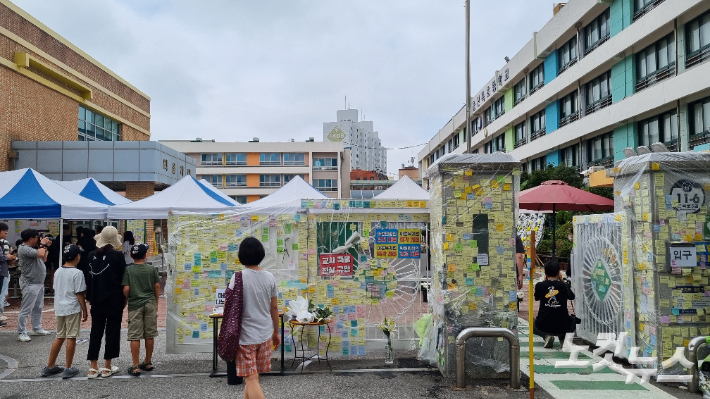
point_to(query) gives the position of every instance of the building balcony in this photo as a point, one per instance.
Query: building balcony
(606, 162)
(672, 145)
(520, 143)
(596, 44)
(699, 138)
(645, 10)
(655, 77)
(696, 57)
(536, 88)
(566, 66)
(569, 119)
(519, 100)
(596, 106)
(538, 134)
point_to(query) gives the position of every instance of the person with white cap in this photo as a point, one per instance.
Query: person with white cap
(106, 268)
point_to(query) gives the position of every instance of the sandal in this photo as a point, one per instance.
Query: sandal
(146, 366)
(134, 371)
(105, 373)
(94, 375)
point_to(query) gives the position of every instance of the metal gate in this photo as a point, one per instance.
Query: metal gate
(597, 273)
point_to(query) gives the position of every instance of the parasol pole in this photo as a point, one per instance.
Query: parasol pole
(531, 326)
(554, 222)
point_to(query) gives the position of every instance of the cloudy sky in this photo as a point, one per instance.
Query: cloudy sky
(277, 69)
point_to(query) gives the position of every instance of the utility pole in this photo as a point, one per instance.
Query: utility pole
(468, 136)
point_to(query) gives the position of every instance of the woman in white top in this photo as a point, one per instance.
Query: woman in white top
(128, 242)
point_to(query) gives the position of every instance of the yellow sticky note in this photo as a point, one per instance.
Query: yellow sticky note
(655, 166)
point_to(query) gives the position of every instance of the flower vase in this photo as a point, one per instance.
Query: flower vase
(389, 353)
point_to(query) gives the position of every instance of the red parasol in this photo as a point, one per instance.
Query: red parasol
(556, 195)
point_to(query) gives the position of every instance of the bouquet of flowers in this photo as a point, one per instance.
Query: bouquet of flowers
(388, 326)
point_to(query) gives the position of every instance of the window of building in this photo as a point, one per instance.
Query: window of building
(499, 143)
(568, 109)
(499, 106)
(567, 54)
(598, 93)
(655, 63)
(325, 163)
(236, 181)
(456, 141)
(597, 32)
(600, 150)
(537, 125)
(520, 134)
(96, 127)
(326, 184)
(538, 164)
(698, 38)
(235, 159)
(488, 115)
(296, 159)
(215, 180)
(569, 157)
(288, 178)
(519, 92)
(214, 159)
(661, 128)
(449, 144)
(242, 199)
(699, 122)
(537, 78)
(269, 180)
(270, 159)
(641, 7)
(488, 148)
(476, 125)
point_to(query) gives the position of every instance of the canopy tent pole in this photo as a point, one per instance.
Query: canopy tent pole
(61, 241)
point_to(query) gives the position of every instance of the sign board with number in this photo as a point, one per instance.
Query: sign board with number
(410, 236)
(336, 264)
(386, 236)
(687, 195)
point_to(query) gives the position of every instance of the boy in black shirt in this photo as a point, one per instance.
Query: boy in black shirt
(552, 317)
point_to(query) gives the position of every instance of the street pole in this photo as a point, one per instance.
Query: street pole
(468, 136)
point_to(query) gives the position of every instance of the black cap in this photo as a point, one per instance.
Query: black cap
(138, 251)
(71, 251)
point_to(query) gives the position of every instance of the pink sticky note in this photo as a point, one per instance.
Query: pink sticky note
(665, 319)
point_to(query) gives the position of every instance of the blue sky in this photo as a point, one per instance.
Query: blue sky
(278, 69)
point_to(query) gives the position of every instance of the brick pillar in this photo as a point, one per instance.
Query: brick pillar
(136, 191)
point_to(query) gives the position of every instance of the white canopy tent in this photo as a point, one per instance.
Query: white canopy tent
(188, 195)
(218, 192)
(288, 196)
(404, 189)
(92, 189)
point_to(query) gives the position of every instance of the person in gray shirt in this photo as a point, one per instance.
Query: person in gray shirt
(31, 260)
(4, 270)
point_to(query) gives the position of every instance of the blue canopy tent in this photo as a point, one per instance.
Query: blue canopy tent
(26, 194)
(92, 189)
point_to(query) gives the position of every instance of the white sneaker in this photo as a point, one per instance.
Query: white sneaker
(41, 331)
(3, 317)
(6, 304)
(24, 338)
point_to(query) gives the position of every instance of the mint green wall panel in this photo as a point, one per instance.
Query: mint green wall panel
(624, 136)
(630, 75)
(509, 140)
(620, 16)
(508, 99)
(618, 81)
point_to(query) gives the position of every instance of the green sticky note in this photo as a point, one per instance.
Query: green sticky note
(280, 242)
(366, 233)
(353, 323)
(265, 238)
(501, 178)
(473, 244)
(287, 228)
(279, 250)
(294, 247)
(383, 224)
(475, 267)
(459, 247)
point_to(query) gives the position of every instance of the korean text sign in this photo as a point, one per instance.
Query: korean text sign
(336, 264)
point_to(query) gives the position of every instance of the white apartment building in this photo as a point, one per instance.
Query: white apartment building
(366, 148)
(600, 76)
(248, 171)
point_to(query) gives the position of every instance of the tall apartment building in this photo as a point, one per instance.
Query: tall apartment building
(252, 170)
(365, 146)
(600, 76)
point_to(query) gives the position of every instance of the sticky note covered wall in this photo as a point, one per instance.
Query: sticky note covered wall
(473, 213)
